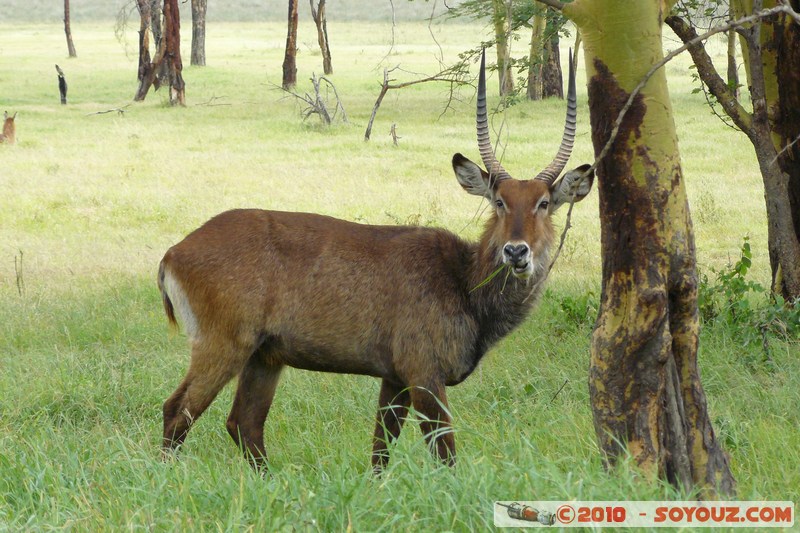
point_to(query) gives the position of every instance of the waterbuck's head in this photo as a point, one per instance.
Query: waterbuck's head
(520, 230)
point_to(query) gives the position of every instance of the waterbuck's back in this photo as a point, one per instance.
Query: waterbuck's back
(328, 294)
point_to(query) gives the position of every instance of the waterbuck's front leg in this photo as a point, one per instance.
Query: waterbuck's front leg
(393, 404)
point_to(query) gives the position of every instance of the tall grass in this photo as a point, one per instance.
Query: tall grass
(91, 202)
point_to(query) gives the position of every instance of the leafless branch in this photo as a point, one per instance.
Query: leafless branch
(391, 45)
(18, 273)
(555, 4)
(211, 102)
(118, 110)
(440, 57)
(317, 103)
(559, 390)
(449, 75)
(785, 148)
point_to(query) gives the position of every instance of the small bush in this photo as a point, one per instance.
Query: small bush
(753, 313)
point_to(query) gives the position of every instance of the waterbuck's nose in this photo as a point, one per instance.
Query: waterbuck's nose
(516, 253)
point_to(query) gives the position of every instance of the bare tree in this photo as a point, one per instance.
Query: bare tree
(168, 53)
(290, 57)
(199, 8)
(321, 20)
(68, 31)
(454, 75)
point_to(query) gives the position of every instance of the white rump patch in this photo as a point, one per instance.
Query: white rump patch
(181, 304)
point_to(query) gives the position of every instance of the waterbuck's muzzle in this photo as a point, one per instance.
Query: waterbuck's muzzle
(518, 256)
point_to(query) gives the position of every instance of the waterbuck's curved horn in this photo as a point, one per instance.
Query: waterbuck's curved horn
(552, 171)
(493, 166)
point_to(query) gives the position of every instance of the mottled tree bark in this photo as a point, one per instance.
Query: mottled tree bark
(68, 31)
(199, 8)
(290, 57)
(552, 81)
(647, 398)
(538, 23)
(146, 72)
(502, 34)
(168, 55)
(321, 21)
(172, 36)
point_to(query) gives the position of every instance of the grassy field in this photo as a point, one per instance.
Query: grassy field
(91, 202)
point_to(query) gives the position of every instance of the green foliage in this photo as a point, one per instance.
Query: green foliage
(753, 314)
(580, 310)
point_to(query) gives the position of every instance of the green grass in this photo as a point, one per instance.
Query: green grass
(93, 202)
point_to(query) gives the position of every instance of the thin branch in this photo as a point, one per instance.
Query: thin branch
(708, 74)
(785, 148)
(391, 45)
(449, 75)
(791, 12)
(440, 58)
(211, 102)
(119, 110)
(555, 4)
(559, 390)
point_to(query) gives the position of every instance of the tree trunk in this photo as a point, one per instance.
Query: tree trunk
(535, 58)
(172, 36)
(502, 34)
(552, 82)
(156, 27)
(771, 52)
(321, 21)
(199, 8)
(68, 31)
(786, 124)
(647, 398)
(733, 71)
(145, 72)
(290, 58)
(168, 55)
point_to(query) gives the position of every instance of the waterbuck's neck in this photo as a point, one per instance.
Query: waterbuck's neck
(499, 300)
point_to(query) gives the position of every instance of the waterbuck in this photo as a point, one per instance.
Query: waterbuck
(9, 134)
(259, 290)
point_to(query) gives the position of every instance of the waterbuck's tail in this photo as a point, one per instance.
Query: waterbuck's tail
(168, 308)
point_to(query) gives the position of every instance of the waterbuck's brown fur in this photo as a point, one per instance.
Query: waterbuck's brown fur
(9, 134)
(259, 290)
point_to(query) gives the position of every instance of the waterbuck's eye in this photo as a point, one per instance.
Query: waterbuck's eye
(544, 204)
(499, 204)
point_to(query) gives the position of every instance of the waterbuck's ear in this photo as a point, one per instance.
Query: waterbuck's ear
(472, 178)
(562, 191)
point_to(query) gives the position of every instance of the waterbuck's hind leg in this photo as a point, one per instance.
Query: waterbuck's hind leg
(209, 370)
(257, 383)
(430, 403)
(393, 403)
